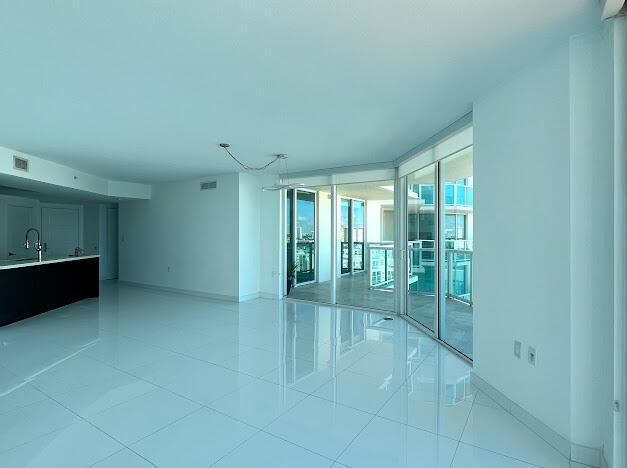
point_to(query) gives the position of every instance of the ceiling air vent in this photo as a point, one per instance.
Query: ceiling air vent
(20, 163)
(208, 185)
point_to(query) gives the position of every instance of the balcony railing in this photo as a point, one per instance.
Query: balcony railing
(357, 257)
(457, 274)
(454, 194)
(381, 258)
(305, 260)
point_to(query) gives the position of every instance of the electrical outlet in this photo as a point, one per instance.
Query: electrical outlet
(531, 355)
(517, 348)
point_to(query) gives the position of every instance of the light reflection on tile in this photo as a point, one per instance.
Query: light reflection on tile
(190, 380)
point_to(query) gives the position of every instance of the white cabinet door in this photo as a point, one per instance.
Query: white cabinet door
(19, 219)
(60, 230)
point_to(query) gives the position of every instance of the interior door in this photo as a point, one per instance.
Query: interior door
(60, 230)
(19, 220)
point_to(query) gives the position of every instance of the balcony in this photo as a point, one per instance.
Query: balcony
(421, 268)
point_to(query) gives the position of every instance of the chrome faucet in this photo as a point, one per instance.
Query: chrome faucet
(37, 244)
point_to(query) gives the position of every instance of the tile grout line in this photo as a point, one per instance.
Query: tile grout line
(100, 430)
(463, 430)
(375, 415)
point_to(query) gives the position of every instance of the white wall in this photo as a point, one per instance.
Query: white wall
(544, 240)
(271, 248)
(522, 235)
(183, 238)
(249, 233)
(47, 172)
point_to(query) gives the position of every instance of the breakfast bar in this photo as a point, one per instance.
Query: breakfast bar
(31, 287)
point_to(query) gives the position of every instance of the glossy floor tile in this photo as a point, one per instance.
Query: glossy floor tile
(198, 440)
(140, 378)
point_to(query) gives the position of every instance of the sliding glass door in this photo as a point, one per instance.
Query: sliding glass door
(300, 208)
(305, 236)
(422, 304)
(456, 313)
(439, 249)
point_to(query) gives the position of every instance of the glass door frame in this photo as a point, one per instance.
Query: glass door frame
(351, 240)
(439, 257)
(293, 230)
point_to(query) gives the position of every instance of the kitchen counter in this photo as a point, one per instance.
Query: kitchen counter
(29, 287)
(7, 264)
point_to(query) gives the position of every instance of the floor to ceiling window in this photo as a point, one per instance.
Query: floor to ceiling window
(365, 245)
(456, 174)
(366, 233)
(437, 201)
(312, 230)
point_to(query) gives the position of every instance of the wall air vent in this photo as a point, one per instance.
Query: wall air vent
(208, 185)
(20, 163)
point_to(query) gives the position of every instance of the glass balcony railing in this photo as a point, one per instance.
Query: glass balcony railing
(381, 265)
(458, 274)
(457, 280)
(454, 194)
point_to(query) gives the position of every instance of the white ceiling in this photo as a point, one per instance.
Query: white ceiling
(144, 90)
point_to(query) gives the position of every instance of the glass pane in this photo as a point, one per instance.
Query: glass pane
(366, 240)
(314, 285)
(305, 236)
(345, 254)
(456, 277)
(358, 235)
(449, 194)
(421, 300)
(289, 204)
(427, 193)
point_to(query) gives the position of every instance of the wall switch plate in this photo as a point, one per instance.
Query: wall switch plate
(531, 355)
(517, 348)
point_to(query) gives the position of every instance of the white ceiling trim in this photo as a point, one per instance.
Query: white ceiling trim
(456, 142)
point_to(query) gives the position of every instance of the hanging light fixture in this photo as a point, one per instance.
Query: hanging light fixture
(277, 157)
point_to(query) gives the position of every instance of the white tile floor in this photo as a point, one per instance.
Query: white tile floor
(140, 378)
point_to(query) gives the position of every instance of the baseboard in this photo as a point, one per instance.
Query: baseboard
(248, 297)
(604, 463)
(267, 295)
(188, 292)
(553, 438)
(586, 455)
